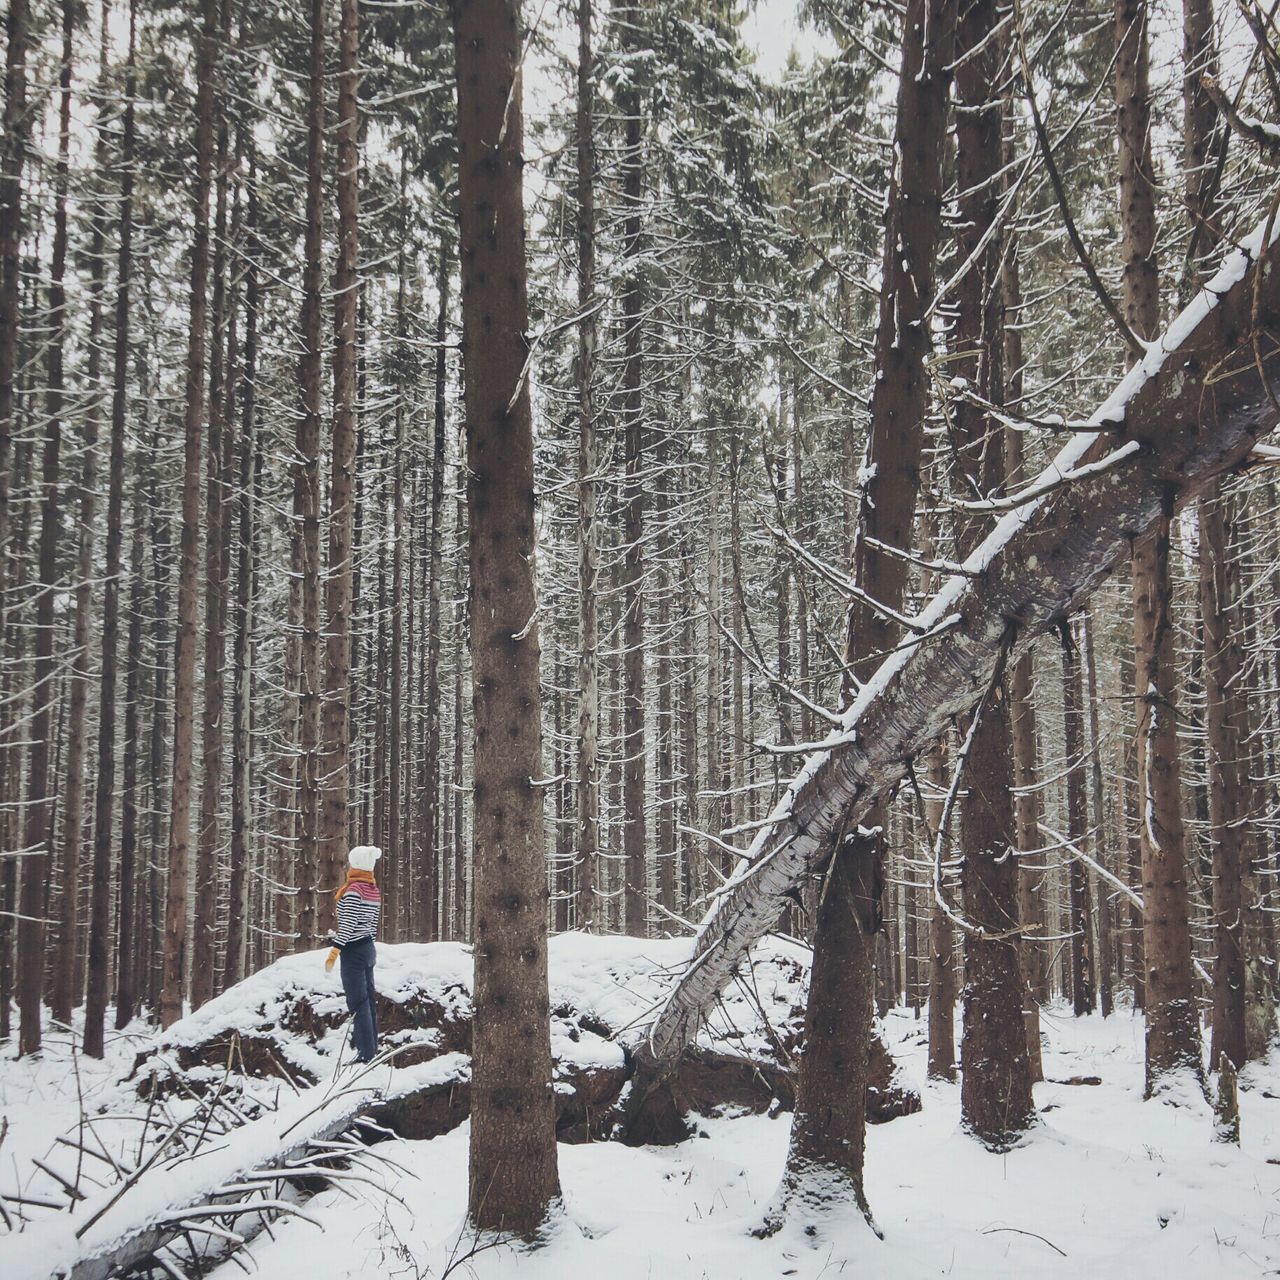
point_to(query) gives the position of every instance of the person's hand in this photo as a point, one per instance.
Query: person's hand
(331, 959)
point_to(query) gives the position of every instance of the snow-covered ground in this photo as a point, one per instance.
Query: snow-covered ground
(1108, 1186)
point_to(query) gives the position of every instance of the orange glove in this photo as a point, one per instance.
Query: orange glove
(330, 959)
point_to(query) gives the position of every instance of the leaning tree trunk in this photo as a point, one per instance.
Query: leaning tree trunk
(1057, 542)
(1173, 1032)
(184, 685)
(828, 1134)
(513, 1176)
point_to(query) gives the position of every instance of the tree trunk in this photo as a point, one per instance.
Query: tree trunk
(1022, 712)
(1069, 534)
(38, 828)
(942, 946)
(1099, 842)
(175, 939)
(513, 1177)
(1082, 965)
(306, 502)
(432, 884)
(825, 1158)
(336, 710)
(235, 963)
(635, 741)
(204, 965)
(1173, 1035)
(995, 1098)
(588, 538)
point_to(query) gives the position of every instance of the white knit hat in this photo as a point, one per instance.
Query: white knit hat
(363, 856)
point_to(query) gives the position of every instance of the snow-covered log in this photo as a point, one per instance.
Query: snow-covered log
(121, 1226)
(1191, 410)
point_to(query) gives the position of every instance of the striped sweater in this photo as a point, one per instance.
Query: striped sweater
(358, 911)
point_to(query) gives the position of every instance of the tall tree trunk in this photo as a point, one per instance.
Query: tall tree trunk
(235, 962)
(1219, 595)
(588, 842)
(995, 1096)
(13, 153)
(635, 740)
(1173, 1034)
(204, 966)
(825, 1158)
(1022, 712)
(336, 710)
(1099, 841)
(513, 1176)
(175, 939)
(942, 945)
(130, 947)
(104, 794)
(38, 827)
(306, 502)
(1082, 964)
(433, 884)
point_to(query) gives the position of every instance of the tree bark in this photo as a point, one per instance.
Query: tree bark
(432, 884)
(1082, 963)
(38, 828)
(995, 1096)
(513, 1176)
(235, 963)
(335, 724)
(588, 537)
(635, 741)
(825, 1158)
(1173, 1035)
(204, 965)
(306, 503)
(175, 934)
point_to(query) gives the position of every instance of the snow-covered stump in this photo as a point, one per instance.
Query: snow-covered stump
(1190, 411)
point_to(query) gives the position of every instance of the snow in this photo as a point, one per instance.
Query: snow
(1121, 1187)
(613, 981)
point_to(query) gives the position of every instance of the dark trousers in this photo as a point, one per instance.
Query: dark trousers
(358, 959)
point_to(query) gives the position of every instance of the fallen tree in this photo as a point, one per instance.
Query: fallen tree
(1190, 411)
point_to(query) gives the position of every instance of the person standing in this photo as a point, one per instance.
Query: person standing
(359, 907)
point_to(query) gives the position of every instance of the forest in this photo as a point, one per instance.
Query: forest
(757, 517)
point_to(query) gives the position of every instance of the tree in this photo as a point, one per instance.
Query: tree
(513, 1179)
(1173, 1036)
(588, 537)
(1180, 430)
(175, 929)
(335, 713)
(824, 1160)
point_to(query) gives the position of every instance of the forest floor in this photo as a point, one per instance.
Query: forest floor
(1107, 1186)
